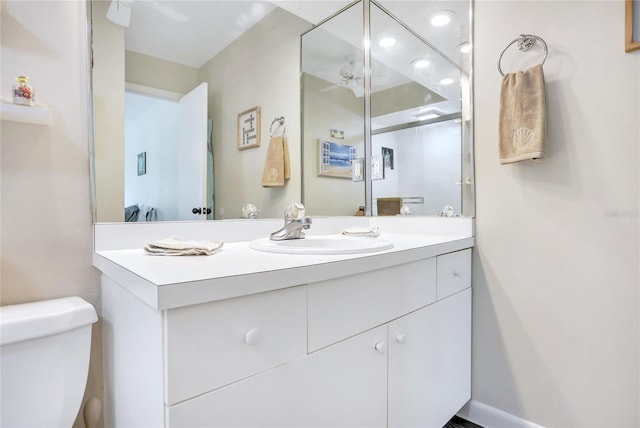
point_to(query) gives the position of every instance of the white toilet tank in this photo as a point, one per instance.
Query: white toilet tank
(44, 361)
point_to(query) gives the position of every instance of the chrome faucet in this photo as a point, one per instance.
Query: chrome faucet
(294, 223)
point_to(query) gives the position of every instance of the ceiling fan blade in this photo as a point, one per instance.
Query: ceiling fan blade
(119, 13)
(358, 91)
(330, 88)
(166, 10)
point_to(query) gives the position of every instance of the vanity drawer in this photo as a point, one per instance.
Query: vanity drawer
(454, 272)
(343, 307)
(214, 344)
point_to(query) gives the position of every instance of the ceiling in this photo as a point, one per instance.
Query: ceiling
(212, 25)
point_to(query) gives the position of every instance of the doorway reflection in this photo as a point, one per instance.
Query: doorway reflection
(422, 168)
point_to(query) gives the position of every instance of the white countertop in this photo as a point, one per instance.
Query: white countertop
(236, 270)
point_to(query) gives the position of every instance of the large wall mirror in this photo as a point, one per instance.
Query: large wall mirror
(172, 78)
(415, 151)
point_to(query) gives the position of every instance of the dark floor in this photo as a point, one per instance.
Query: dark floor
(457, 422)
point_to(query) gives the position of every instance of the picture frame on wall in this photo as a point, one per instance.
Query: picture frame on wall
(632, 25)
(335, 159)
(142, 163)
(249, 129)
(387, 155)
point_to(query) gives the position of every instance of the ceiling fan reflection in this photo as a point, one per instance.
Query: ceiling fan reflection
(119, 11)
(347, 78)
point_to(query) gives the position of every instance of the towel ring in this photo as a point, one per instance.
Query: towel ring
(524, 43)
(279, 120)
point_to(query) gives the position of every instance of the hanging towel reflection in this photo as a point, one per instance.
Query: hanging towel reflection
(277, 168)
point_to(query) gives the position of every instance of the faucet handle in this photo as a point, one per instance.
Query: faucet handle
(295, 211)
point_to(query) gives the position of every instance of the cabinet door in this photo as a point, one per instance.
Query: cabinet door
(214, 344)
(346, 306)
(454, 273)
(343, 385)
(430, 363)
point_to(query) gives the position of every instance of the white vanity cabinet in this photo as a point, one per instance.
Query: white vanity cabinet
(430, 363)
(214, 344)
(340, 386)
(386, 347)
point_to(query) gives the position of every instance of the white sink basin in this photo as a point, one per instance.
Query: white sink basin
(327, 244)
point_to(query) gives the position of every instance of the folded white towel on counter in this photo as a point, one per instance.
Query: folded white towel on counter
(176, 246)
(371, 231)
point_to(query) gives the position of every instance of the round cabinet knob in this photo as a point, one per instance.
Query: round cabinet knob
(252, 336)
(456, 274)
(401, 337)
(381, 347)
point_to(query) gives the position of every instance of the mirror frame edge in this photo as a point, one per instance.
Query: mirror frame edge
(91, 113)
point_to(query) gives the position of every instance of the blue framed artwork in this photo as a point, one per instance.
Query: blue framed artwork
(335, 160)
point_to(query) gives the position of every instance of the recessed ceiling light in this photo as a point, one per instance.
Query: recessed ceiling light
(446, 81)
(387, 42)
(442, 18)
(427, 114)
(420, 63)
(465, 47)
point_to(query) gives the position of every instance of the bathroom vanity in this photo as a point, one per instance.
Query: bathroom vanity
(247, 338)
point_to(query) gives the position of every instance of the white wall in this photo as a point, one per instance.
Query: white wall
(427, 163)
(556, 280)
(153, 128)
(46, 226)
(442, 167)
(403, 154)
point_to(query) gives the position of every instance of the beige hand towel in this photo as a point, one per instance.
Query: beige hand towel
(176, 246)
(522, 116)
(277, 167)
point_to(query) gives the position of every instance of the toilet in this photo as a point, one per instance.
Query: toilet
(44, 361)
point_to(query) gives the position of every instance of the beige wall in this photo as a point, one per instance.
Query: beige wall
(46, 217)
(160, 74)
(108, 99)
(556, 303)
(324, 110)
(239, 80)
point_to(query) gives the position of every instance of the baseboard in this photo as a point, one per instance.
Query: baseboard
(490, 417)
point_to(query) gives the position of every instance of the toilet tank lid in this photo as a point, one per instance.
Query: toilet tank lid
(44, 318)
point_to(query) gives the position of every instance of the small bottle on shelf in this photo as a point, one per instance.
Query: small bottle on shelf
(23, 92)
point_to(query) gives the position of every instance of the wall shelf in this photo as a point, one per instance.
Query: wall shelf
(38, 114)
